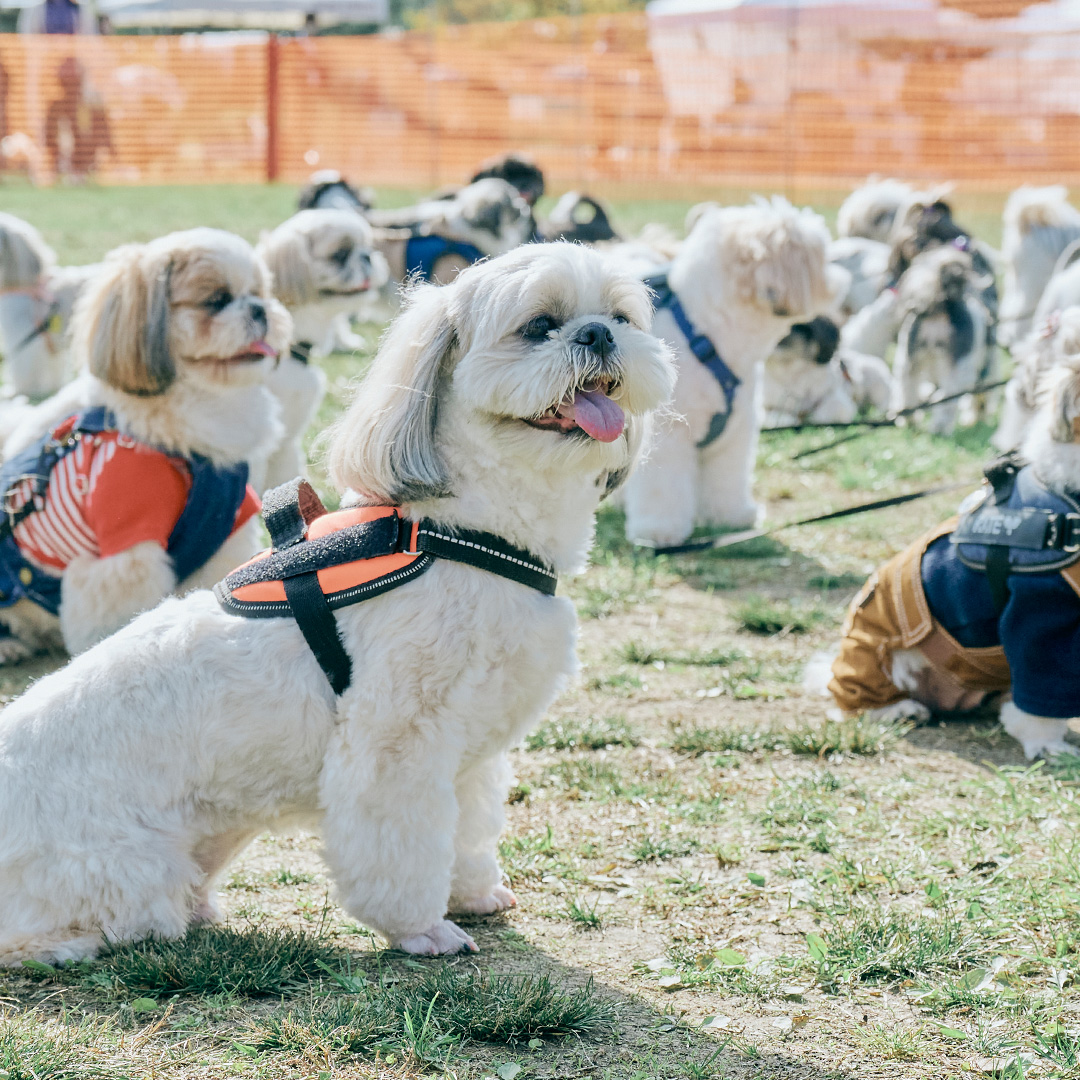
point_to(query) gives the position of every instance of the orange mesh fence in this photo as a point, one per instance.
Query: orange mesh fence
(979, 91)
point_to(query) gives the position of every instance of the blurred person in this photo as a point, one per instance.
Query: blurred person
(76, 124)
(58, 17)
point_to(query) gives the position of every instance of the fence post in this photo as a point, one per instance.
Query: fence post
(272, 105)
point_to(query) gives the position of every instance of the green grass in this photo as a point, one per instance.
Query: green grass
(588, 734)
(447, 1006)
(885, 947)
(34, 1046)
(218, 960)
(761, 615)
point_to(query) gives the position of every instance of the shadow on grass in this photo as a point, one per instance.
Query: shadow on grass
(509, 1005)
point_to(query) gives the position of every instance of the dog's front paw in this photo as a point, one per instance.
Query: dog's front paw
(442, 939)
(499, 899)
(13, 651)
(908, 709)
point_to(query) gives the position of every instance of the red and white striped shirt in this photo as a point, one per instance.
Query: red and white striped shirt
(106, 495)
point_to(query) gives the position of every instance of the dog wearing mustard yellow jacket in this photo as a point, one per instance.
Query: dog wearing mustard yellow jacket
(985, 608)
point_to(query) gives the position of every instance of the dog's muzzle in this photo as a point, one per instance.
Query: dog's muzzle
(597, 339)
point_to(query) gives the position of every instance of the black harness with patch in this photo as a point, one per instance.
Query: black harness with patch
(703, 348)
(1015, 525)
(320, 562)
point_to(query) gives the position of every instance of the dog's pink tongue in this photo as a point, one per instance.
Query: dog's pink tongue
(598, 416)
(262, 348)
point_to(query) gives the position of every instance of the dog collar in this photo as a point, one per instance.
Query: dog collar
(320, 562)
(301, 351)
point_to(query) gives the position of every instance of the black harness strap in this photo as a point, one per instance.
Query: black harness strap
(1002, 475)
(319, 627)
(288, 510)
(301, 351)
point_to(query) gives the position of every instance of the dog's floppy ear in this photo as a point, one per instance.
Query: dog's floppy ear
(285, 251)
(384, 446)
(121, 323)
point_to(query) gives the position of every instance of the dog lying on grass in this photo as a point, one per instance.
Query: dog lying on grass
(509, 401)
(986, 606)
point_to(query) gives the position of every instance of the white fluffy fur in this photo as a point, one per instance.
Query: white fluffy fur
(130, 778)
(870, 210)
(325, 269)
(744, 275)
(33, 289)
(194, 398)
(1045, 348)
(1039, 224)
(926, 364)
(799, 390)
(867, 261)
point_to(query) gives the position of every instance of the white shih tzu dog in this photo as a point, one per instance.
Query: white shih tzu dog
(1039, 224)
(143, 460)
(36, 301)
(439, 238)
(509, 401)
(870, 210)
(942, 348)
(740, 280)
(809, 379)
(325, 269)
(1056, 342)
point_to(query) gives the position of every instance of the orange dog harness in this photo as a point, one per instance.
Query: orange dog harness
(320, 562)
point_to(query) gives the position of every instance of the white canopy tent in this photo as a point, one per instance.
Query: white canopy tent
(232, 14)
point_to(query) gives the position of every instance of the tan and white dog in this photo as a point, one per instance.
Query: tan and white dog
(509, 401)
(176, 337)
(744, 276)
(325, 269)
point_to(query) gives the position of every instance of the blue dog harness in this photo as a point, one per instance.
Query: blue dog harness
(703, 348)
(998, 579)
(423, 252)
(207, 520)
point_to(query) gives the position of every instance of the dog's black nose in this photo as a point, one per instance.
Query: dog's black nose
(257, 310)
(597, 338)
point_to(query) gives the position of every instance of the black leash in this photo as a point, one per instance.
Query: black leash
(41, 328)
(723, 540)
(891, 421)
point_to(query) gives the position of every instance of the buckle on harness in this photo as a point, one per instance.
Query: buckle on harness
(1070, 533)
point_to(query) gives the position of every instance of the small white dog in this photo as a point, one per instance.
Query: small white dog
(1039, 224)
(942, 347)
(325, 269)
(810, 380)
(741, 279)
(987, 606)
(1056, 342)
(509, 401)
(36, 301)
(437, 239)
(870, 210)
(148, 493)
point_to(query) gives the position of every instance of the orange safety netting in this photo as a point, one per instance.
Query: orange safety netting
(983, 91)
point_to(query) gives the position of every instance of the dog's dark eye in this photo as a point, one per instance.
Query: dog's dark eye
(620, 317)
(341, 256)
(538, 328)
(219, 300)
